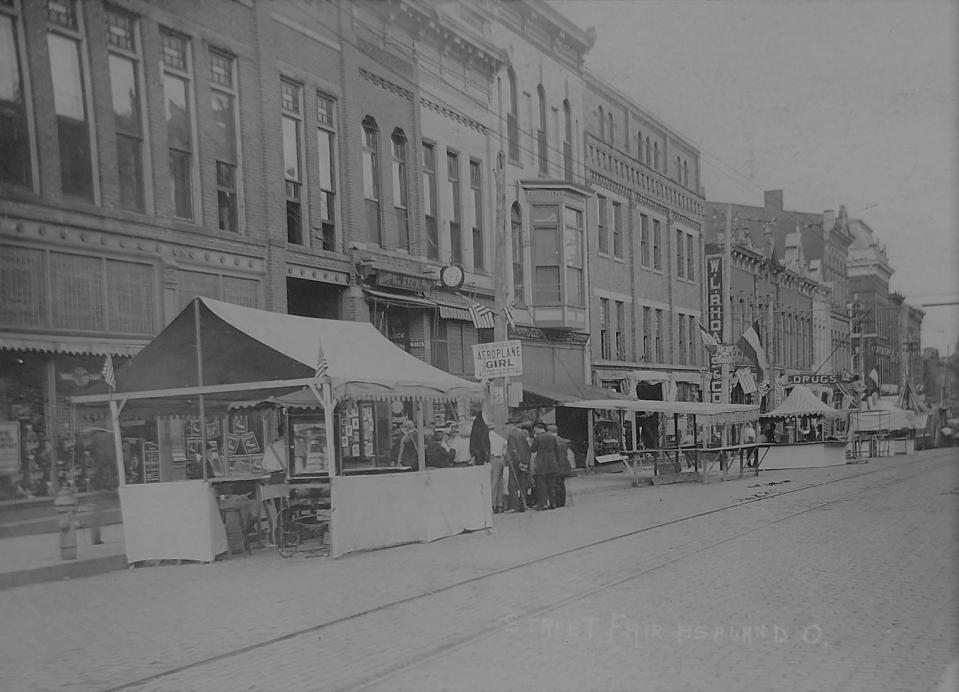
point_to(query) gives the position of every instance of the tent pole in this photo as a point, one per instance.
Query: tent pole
(420, 449)
(117, 440)
(199, 382)
(325, 397)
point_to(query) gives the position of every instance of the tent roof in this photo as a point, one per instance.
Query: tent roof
(245, 345)
(714, 413)
(563, 394)
(802, 402)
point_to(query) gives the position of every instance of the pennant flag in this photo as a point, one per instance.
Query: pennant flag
(108, 373)
(322, 366)
(752, 347)
(762, 389)
(508, 314)
(481, 315)
(708, 340)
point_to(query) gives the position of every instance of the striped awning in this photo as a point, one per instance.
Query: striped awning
(452, 308)
(73, 345)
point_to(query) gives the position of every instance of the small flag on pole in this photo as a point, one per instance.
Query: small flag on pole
(322, 366)
(108, 373)
(708, 340)
(508, 314)
(481, 315)
(752, 347)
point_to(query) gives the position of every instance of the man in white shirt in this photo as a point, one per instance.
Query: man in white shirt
(497, 455)
(460, 444)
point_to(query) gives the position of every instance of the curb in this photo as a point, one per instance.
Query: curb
(68, 569)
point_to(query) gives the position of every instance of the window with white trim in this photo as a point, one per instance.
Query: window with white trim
(124, 63)
(178, 100)
(291, 108)
(223, 98)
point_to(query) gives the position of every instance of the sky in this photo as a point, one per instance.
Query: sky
(851, 102)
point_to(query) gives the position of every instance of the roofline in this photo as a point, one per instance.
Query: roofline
(594, 80)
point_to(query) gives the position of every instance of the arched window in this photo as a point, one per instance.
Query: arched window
(400, 189)
(656, 155)
(649, 157)
(679, 170)
(686, 173)
(602, 124)
(371, 180)
(516, 233)
(568, 141)
(541, 133)
(512, 117)
(610, 128)
(639, 147)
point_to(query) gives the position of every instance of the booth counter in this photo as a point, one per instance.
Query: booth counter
(808, 431)
(803, 455)
(216, 353)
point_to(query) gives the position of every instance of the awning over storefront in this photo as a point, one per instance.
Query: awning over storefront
(708, 413)
(560, 395)
(73, 345)
(398, 299)
(452, 308)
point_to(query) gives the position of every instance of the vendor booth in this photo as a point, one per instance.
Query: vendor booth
(803, 432)
(248, 403)
(882, 432)
(691, 435)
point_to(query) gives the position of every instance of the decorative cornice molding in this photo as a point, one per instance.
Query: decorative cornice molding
(456, 116)
(386, 84)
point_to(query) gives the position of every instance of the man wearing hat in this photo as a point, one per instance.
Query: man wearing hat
(517, 460)
(544, 468)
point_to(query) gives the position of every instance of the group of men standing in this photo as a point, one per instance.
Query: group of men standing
(537, 467)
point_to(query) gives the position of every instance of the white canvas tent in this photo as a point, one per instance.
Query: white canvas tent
(219, 352)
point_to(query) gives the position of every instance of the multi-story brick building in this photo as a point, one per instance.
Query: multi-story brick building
(645, 250)
(875, 318)
(811, 333)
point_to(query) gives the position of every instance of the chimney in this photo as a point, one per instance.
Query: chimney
(828, 221)
(773, 200)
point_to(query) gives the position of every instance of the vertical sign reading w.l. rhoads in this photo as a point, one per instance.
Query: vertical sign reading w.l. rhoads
(714, 322)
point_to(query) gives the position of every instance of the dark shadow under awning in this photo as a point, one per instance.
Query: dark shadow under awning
(552, 394)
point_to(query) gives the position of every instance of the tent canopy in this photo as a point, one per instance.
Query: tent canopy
(562, 395)
(247, 346)
(880, 420)
(802, 402)
(710, 414)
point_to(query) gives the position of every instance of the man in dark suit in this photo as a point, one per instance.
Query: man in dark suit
(517, 460)
(544, 466)
(563, 468)
(437, 456)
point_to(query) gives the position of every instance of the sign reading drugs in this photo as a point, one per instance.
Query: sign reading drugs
(498, 359)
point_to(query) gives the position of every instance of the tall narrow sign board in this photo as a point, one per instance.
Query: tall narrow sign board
(714, 323)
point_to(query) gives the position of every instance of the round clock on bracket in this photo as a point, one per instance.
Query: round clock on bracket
(452, 276)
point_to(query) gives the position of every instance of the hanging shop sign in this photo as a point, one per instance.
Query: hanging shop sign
(405, 282)
(452, 276)
(714, 323)
(498, 359)
(807, 378)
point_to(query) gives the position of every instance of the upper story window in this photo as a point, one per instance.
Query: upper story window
(400, 189)
(512, 116)
(479, 241)
(326, 148)
(649, 157)
(686, 173)
(519, 259)
(620, 336)
(429, 201)
(602, 123)
(371, 180)
(65, 49)
(604, 330)
(223, 98)
(575, 287)
(16, 166)
(541, 139)
(657, 244)
(680, 246)
(618, 230)
(124, 62)
(690, 258)
(602, 225)
(679, 170)
(177, 79)
(456, 207)
(656, 155)
(291, 106)
(610, 128)
(644, 240)
(567, 142)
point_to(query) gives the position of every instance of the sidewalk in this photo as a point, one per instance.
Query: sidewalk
(36, 558)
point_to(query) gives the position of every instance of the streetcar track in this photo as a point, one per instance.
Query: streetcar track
(462, 641)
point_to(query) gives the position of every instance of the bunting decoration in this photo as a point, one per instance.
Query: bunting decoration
(752, 347)
(481, 315)
(708, 340)
(508, 314)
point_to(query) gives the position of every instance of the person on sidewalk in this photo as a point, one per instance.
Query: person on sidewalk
(564, 467)
(479, 440)
(497, 453)
(517, 460)
(544, 466)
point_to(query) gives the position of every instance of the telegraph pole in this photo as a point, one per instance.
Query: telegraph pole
(500, 413)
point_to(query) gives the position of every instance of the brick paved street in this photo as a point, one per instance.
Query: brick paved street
(870, 577)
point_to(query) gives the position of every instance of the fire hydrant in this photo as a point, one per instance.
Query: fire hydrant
(66, 505)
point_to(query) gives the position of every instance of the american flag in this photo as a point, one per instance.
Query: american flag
(482, 315)
(762, 389)
(322, 366)
(108, 373)
(508, 314)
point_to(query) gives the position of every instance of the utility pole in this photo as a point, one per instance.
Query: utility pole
(499, 413)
